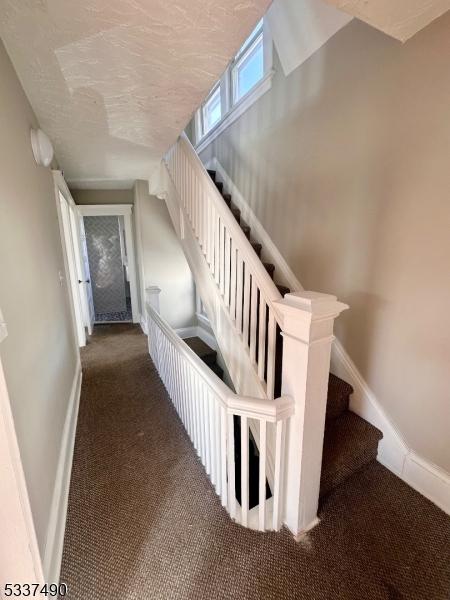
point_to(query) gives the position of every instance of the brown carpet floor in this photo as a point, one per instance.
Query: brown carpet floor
(144, 522)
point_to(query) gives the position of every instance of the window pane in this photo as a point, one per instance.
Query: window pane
(249, 71)
(212, 111)
(250, 38)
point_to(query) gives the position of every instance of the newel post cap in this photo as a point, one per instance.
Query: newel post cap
(152, 290)
(301, 312)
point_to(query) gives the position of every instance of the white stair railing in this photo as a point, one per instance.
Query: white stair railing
(245, 310)
(247, 290)
(208, 410)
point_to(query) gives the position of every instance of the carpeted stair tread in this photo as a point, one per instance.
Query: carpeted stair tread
(257, 248)
(270, 268)
(283, 289)
(219, 185)
(202, 350)
(339, 392)
(212, 174)
(350, 443)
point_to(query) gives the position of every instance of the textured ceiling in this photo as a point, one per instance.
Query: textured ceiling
(113, 82)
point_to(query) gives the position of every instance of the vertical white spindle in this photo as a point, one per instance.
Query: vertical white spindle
(227, 268)
(262, 475)
(216, 248)
(271, 343)
(217, 444)
(253, 313)
(231, 469)
(222, 258)
(246, 306)
(239, 291)
(223, 454)
(244, 471)
(233, 258)
(278, 473)
(262, 337)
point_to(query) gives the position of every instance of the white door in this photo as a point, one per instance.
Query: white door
(85, 276)
(71, 268)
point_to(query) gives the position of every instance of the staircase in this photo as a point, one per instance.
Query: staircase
(276, 345)
(350, 443)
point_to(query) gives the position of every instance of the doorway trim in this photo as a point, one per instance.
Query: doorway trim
(117, 210)
(70, 247)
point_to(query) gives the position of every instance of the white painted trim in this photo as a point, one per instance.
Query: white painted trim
(428, 479)
(62, 192)
(237, 111)
(393, 451)
(125, 210)
(57, 524)
(186, 332)
(104, 210)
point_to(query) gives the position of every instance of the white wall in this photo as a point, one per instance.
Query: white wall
(39, 355)
(161, 260)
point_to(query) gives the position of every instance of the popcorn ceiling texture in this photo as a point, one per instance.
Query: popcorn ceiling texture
(113, 82)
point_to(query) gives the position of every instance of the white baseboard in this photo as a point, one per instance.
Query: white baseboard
(57, 523)
(393, 452)
(186, 332)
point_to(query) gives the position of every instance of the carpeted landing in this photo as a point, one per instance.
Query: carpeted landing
(144, 522)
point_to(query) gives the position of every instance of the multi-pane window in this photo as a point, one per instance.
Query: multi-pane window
(211, 110)
(248, 66)
(246, 71)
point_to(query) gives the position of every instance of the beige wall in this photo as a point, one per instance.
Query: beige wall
(103, 196)
(39, 355)
(161, 259)
(346, 164)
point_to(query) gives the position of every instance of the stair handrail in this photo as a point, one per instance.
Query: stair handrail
(207, 407)
(264, 280)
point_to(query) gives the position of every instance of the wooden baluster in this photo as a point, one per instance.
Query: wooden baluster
(217, 445)
(239, 291)
(227, 269)
(253, 315)
(222, 258)
(244, 471)
(246, 307)
(271, 347)
(278, 474)
(216, 248)
(262, 475)
(233, 281)
(223, 455)
(231, 469)
(212, 445)
(262, 337)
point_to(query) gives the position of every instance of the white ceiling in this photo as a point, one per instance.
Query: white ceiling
(113, 82)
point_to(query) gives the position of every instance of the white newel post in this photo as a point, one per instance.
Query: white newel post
(152, 296)
(152, 299)
(307, 329)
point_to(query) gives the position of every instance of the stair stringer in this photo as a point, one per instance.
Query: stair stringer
(234, 353)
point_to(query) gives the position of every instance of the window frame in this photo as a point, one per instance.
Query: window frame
(230, 111)
(212, 93)
(249, 46)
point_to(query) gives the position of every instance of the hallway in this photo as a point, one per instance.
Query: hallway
(145, 523)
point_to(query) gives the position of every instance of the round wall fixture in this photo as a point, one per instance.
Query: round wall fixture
(42, 147)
